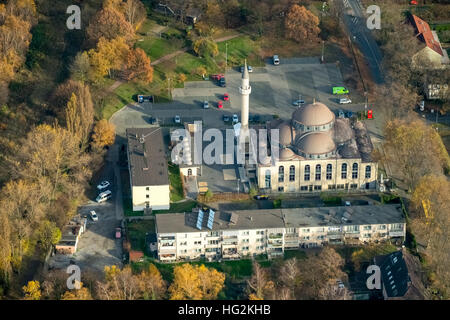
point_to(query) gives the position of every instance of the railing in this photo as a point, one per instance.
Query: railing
(275, 236)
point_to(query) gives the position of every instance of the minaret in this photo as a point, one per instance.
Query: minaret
(245, 91)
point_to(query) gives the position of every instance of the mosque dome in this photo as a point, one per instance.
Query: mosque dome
(286, 133)
(286, 154)
(314, 114)
(315, 143)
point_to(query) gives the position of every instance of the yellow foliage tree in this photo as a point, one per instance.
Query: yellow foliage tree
(301, 24)
(32, 290)
(77, 294)
(104, 134)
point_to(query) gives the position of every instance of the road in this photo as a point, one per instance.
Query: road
(355, 22)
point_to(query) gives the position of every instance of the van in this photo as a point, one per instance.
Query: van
(102, 197)
(276, 60)
(344, 101)
(340, 90)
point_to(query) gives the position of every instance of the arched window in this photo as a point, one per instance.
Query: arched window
(267, 178)
(368, 172)
(355, 171)
(329, 171)
(344, 171)
(292, 173)
(318, 173)
(280, 174)
(307, 172)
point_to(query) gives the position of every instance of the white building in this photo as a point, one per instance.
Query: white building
(147, 163)
(240, 234)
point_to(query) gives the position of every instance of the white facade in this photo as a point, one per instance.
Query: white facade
(156, 197)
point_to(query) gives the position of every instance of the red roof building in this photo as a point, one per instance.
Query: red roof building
(425, 34)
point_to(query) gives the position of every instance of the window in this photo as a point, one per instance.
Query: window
(317, 187)
(318, 173)
(147, 196)
(367, 227)
(281, 174)
(307, 172)
(355, 171)
(147, 188)
(353, 186)
(267, 178)
(305, 230)
(344, 171)
(280, 189)
(291, 173)
(246, 233)
(303, 188)
(368, 172)
(329, 171)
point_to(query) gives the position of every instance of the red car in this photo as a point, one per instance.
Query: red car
(226, 97)
(219, 104)
(413, 2)
(217, 76)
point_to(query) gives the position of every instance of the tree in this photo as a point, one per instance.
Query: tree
(108, 56)
(109, 23)
(182, 77)
(289, 276)
(48, 235)
(414, 150)
(32, 290)
(151, 284)
(301, 24)
(135, 12)
(211, 282)
(260, 287)
(5, 249)
(104, 134)
(205, 47)
(186, 283)
(118, 284)
(138, 66)
(80, 67)
(431, 225)
(77, 294)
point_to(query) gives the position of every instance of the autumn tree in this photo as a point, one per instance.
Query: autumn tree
(104, 134)
(151, 284)
(80, 67)
(82, 293)
(414, 150)
(289, 277)
(135, 12)
(431, 225)
(48, 235)
(118, 284)
(260, 286)
(205, 47)
(195, 283)
(109, 23)
(138, 66)
(32, 291)
(109, 55)
(301, 24)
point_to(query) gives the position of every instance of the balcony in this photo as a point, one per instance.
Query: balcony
(396, 233)
(275, 235)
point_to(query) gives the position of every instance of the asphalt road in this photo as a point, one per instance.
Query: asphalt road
(360, 35)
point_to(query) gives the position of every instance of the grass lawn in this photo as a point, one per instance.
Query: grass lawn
(239, 49)
(158, 47)
(137, 231)
(179, 207)
(176, 186)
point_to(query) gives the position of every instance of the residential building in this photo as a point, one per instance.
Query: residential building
(147, 163)
(394, 274)
(431, 56)
(243, 233)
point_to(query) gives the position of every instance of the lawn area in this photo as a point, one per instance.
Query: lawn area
(158, 47)
(240, 48)
(137, 231)
(176, 186)
(179, 207)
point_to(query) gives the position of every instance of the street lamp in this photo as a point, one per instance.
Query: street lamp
(238, 185)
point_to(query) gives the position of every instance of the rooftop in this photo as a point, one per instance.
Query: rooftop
(425, 34)
(281, 218)
(147, 159)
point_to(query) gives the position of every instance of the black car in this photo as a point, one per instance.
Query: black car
(152, 120)
(261, 197)
(226, 118)
(222, 82)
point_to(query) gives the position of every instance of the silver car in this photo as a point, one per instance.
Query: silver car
(205, 105)
(177, 119)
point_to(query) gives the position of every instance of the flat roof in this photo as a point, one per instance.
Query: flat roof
(282, 218)
(148, 163)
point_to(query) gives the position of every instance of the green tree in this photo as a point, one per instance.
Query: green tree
(48, 235)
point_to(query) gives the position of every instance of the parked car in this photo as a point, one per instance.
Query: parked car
(422, 105)
(226, 97)
(340, 284)
(349, 114)
(177, 119)
(118, 233)
(340, 90)
(298, 102)
(94, 216)
(348, 203)
(103, 185)
(341, 114)
(226, 118)
(140, 98)
(345, 101)
(220, 104)
(249, 68)
(222, 82)
(261, 197)
(235, 118)
(276, 60)
(205, 105)
(104, 196)
(152, 120)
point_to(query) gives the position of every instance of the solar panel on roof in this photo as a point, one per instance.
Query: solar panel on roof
(210, 219)
(199, 220)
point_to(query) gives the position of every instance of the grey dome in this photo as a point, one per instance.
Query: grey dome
(314, 114)
(315, 143)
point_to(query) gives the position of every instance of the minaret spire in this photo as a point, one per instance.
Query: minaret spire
(245, 91)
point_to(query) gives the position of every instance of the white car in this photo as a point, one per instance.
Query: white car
(205, 105)
(345, 101)
(276, 60)
(298, 102)
(104, 196)
(94, 216)
(235, 118)
(177, 119)
(347, 203)
(103, 185)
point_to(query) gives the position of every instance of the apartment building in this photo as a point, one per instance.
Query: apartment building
(147, 164)
(239, 234)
